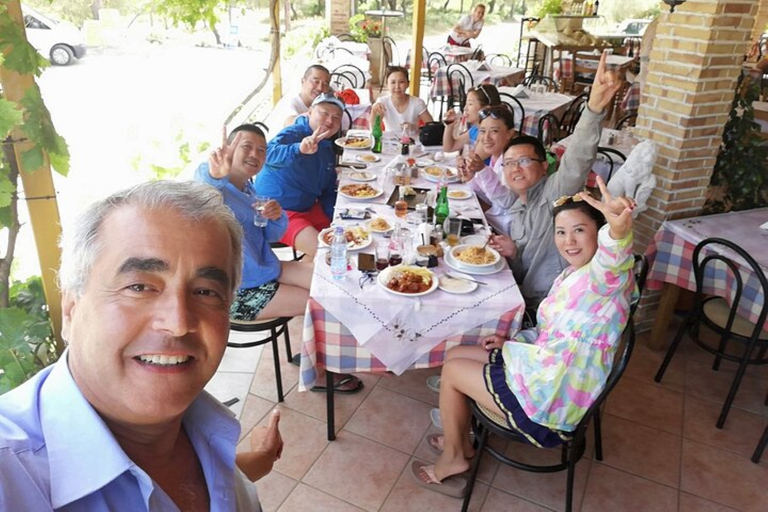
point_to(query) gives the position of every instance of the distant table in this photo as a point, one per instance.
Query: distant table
(623, 141)
(538, 105)
(383, 14)
(671, 257)
(481, 72)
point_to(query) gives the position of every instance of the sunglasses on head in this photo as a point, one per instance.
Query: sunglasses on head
(481, 89)
(569, 199)
(498, 112)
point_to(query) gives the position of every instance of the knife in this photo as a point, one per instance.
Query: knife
(464, 278)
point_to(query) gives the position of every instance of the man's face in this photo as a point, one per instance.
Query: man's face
(249, 155)
(325, 116)
(519, 178)
(317, 82)
(151, 325)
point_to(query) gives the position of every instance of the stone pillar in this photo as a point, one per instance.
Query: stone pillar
(693, 68)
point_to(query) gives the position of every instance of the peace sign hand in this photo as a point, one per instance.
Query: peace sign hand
(310, 143)
(220, 160)
(616, 210)
(604, 87)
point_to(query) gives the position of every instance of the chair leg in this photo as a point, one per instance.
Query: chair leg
(760, 447)
(672, 349)
(598, 436)
(483, 439)
(289, 354)
(721, 349)
(276, 358)
(734, 388)
(569, 485)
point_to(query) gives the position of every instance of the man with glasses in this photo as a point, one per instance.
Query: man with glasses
(300, 172)
(530, 242)
(316, 80)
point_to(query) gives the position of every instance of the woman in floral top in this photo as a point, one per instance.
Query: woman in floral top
(544, 380)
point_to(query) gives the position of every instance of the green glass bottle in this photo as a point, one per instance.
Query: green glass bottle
(441, 206)
(377, 134)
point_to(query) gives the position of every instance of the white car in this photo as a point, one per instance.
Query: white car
(59, 41)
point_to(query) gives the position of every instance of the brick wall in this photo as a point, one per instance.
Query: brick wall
(761, 20)
(694, 64)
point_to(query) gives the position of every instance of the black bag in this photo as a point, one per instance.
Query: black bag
(431, 134)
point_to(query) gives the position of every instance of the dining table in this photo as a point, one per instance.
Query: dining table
(536, 105)
(357, 324)
(670, 255)
(481, 73)
(623, 141)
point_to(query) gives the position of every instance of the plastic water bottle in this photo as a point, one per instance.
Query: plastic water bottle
(339, 254)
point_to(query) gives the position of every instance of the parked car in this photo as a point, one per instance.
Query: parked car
(633, 27)
(59, 41)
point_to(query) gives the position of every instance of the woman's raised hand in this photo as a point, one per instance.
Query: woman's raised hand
(616, 210)
(604, 87)
(220, 159)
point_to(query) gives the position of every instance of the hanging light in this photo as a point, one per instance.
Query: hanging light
(673, 3)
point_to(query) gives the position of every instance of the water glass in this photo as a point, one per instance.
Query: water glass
(452, 228)
(259, 220)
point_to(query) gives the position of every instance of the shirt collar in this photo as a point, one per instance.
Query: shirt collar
(85, 457)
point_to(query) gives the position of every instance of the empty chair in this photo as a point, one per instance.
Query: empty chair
(341, 80)
(391, 53)
(523, 22)
(542, 79)
(548, 129)
(345, 37)
(613, 157)
(498, 59)
(516, 106)
(584, 67)
(276, 327)
(740, 340)
(486, 422)
(357, 77)
(477, 54)
(627, 120)
(572, 114)
(459, 82)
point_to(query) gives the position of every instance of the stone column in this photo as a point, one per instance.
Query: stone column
(693, 68)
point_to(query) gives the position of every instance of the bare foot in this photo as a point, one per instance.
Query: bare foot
(445, 468)
(437, 442)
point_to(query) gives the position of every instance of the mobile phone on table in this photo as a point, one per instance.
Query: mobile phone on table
(366, 262)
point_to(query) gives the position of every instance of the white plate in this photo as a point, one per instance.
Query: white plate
(373, 230)
(362, 176)
(457, 265)
(461, 193)
(384, 276)
(342, 142)
(456, 285)
(351, 246)
(455, 251)
(452, 175)
(423, 162)
(367, 158)
(357, 198)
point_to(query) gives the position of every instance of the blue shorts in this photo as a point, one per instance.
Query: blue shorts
(496, 384)
(250, 302)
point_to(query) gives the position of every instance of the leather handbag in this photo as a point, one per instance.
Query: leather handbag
(431, 134)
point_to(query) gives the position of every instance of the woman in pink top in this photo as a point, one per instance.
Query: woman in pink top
(543, 381)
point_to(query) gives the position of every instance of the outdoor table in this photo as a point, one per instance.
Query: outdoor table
(451, 53)
(623, 141)
(537, 105)
(671, 257)
(482, 73)
(553, 45)
(631, 101)
(383, 14)
(356, 325)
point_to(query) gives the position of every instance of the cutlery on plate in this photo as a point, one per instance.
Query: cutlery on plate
(461, 278)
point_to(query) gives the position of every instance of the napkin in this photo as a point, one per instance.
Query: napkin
(519, 91)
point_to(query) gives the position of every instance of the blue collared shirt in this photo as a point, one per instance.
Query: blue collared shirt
(56, 453)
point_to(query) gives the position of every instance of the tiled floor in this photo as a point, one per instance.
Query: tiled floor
(662, 451)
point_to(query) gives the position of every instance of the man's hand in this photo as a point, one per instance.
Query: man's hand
(616, 210)
(266, 448)
(310, 143)
(504, 245)
(272, 210)
(605, 86)
(220, 160)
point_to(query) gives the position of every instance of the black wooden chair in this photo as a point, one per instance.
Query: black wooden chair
(355, 74)
(542, 79)
(515, 105)
(549, 129)
(613, 157)
(498, 59)
(391, 53)
(276, 327)
(628, 120)
(572, 114)
(459, 82)
(724, 319)
(341, 80)
(486, 422)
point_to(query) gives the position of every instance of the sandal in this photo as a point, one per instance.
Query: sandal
(454, 486)
(347, 384)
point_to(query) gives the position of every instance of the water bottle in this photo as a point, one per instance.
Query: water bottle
(339, 254)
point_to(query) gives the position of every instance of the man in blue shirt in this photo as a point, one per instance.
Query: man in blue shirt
(121, 421)
(300, 172)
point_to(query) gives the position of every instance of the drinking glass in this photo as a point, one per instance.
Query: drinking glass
(381, 251)
(259, 220)
(452, 228)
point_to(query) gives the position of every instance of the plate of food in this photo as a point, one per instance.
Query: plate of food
(451, 284)
(408, 281)
(432, 173)
(357, 237)
(367, 158)
(362, 176)
(475, 256)
(360, 191)
(459, 193)
(355, 142)
(379, 225)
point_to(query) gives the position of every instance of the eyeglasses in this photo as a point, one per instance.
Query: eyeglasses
(497, 112)
(366, 278)
(569, 199)
(526, 162)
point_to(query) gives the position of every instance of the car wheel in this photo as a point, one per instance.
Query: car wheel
(61, 55)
